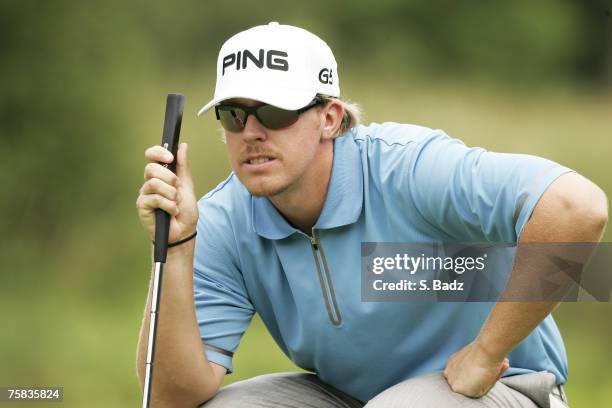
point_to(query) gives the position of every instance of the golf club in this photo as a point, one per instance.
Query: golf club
(170, 140)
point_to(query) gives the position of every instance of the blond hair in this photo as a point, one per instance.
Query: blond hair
(352, 114)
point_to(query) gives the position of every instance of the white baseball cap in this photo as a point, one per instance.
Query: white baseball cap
(280, 65)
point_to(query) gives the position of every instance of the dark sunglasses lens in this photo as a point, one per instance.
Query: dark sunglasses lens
(276, 118)
(231, 118)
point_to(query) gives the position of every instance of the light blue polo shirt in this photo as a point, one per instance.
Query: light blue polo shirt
(390, 183)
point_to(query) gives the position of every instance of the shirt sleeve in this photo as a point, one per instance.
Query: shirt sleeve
(223, 308)
(472, 194)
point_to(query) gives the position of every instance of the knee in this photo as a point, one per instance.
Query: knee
(429, 390)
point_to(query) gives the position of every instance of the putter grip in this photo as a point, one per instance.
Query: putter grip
(170, 140)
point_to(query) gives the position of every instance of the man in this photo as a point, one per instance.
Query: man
(282, 237)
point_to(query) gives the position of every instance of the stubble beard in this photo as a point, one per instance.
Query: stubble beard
(265, 188)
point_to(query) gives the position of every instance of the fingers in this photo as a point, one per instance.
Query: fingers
(157, 186)
(155, 170)
(158, 154)
(150, 202)
(160, 187)
(170, 192)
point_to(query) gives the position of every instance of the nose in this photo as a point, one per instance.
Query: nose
(253, 130)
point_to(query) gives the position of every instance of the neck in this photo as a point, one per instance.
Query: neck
(301, 205)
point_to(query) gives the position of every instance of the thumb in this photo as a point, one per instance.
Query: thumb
(504, 366)
(182, 164)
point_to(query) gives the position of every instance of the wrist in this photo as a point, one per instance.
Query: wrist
(182, 245)
(488, 350)
(180, 241)
(185, 247)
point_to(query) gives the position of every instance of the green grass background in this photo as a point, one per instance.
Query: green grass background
(83, 92)
(77, 325)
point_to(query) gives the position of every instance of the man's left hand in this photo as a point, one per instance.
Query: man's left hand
(472, 372)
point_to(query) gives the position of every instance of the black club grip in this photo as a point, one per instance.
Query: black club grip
(170, 140)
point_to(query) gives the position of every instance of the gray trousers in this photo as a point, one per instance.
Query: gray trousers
(305, 390)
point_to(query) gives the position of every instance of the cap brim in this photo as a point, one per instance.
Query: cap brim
(290, 99)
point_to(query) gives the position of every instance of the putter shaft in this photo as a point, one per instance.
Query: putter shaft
(155, 300)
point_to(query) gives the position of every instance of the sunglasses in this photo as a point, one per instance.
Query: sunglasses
(234, 117)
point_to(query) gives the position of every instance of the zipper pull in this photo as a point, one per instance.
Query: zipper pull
(313, 240)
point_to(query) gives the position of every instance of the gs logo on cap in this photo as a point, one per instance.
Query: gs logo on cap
(325, 76)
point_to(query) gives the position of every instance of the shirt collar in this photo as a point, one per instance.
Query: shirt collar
(343, 202)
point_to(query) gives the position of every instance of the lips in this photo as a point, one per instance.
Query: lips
(258, 159)
(259, 162)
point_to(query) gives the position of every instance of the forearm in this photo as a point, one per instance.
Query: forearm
(182, 374)
(512, 319)
(558, 218)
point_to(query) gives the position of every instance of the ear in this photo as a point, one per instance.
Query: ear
(332, 116)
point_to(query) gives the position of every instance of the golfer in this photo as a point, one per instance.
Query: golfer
(281, 236)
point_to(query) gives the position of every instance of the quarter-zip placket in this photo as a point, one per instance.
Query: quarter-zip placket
(327, 287)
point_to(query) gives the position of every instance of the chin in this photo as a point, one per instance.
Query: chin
(265, 188)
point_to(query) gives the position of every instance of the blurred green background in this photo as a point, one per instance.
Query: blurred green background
(83, 87)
